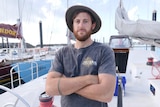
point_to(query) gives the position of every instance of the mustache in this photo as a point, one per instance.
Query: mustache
(81, 29)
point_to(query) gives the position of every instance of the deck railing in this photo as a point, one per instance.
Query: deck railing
(34, 71)
(11, 74)
(18, 70)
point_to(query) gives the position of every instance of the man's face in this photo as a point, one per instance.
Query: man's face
(82, 26)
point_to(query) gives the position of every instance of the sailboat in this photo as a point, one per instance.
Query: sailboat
(11, 56)
(146, 31)
(20, 64)
(141, 86)
(25, 64)
(138, 88)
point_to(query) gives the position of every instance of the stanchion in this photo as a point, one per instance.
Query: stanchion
(119, 98)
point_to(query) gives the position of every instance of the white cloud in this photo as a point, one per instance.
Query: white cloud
(55, 2)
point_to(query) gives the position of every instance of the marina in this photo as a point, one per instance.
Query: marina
(137, 87)
(23, 72)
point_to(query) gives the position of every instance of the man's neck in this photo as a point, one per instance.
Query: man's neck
(83, 44)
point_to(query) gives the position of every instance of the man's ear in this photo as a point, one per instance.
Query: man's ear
(93, 26)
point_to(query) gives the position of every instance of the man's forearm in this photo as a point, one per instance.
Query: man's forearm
(92, 92)
(71, 85)
(68, 86)
(103, 91)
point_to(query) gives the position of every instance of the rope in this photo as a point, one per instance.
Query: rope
(156, 65)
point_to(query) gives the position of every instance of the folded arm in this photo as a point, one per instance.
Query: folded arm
(67, 85)
(103, 91)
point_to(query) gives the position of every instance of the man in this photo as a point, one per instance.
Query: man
(83, 73)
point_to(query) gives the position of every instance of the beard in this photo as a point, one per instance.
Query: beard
(84, 37)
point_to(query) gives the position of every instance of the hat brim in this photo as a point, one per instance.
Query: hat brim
(70, 12)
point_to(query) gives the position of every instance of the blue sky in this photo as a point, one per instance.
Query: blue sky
(52, 15)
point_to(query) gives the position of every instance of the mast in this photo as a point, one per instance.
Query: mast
(19, 23)
(68, 31)
(120, 3)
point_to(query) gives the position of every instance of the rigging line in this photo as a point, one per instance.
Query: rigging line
(1, 5)
(4, 5)
(6, 16)
(20, 9)
(53, 27)
(68, 39)
(29, 10)
(49, 27)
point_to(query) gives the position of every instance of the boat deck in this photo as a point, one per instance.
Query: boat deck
(136, 94)
(30, 92)
(137, 89)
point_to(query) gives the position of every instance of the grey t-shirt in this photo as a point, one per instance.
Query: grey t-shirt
(94, 59)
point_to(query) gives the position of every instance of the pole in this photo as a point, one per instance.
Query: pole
(41, 37)
(119, 97)
(3, 42)
(154, 16)
(20, 29)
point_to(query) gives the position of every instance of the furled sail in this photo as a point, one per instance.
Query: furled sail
(10, 31)
(144, 30)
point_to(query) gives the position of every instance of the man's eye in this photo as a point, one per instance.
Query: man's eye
(85, 21)
(77, 21)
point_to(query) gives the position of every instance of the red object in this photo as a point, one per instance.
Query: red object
(45, 100)
(46, 104)
(150, 61)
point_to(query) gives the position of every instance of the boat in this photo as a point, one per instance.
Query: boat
(139, 76)
(139, 86)
(16, 72)
(137, 79)
(19, 60)
(146, 31)
(8, 55)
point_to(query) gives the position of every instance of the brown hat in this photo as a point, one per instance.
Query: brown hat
(70, 12)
